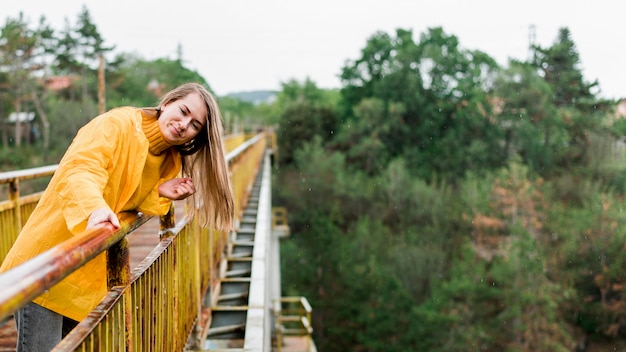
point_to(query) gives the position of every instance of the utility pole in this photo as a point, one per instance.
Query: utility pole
(101, 89)
(532, 37)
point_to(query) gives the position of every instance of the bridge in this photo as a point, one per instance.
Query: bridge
(173, 285)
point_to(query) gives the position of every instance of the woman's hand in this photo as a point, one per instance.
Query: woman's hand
(101, 216)
(177, 188)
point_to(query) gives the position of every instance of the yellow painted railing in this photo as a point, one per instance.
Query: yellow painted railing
(15, 211)
(293, 319)
(233, 141)
(280, 226)
(155, 306)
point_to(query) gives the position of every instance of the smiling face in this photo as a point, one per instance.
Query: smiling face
(181, 120)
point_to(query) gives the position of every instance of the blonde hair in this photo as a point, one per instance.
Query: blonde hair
(204, 160)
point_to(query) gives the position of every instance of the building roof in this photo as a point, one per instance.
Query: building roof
(22, 117)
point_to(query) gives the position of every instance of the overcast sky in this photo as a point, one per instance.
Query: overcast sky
(242, 45)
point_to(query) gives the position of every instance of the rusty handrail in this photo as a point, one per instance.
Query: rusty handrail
(30, 279)
(26, 174)
(231, 156)
(12, 180)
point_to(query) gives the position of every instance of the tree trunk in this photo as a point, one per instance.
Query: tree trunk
(84, 84)
(101, 86)
(5, 127)
(18, 126)
(44, 121)
(5, 134)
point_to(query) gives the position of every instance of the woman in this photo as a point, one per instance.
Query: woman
(128, 159)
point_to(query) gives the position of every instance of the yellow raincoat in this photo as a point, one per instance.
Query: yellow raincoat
(102, 168)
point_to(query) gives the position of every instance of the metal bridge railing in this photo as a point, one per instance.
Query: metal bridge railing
(155, 306)
(15, 211)
(294, 319)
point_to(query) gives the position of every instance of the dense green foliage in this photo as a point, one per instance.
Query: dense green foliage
(437, 201)
(456, 205)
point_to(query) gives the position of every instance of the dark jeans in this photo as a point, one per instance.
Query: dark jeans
(40, 329)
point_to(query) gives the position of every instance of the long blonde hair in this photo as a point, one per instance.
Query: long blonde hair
(204, 160)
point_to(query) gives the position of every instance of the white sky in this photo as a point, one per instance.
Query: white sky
(242, 45)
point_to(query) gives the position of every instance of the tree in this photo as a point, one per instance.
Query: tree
(90, 44)
(307, 92)
(135, 81)
(80, 47)
(579, 110)
(529, 119)
(47, 46)
(559, 65)
(590, 255)
(362, 139)
(440, 89)
(306, 113)
(301, 124)
(376, 74)
(18, 45)
(454, 316)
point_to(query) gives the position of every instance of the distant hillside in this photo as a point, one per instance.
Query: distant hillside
(255, 97)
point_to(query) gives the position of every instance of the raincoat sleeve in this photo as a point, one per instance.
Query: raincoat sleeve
(84, 170)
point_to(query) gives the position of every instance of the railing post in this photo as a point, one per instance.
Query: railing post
(14, 196)
(118, 274)
(167, 221)
(166, 224)
(195, 338)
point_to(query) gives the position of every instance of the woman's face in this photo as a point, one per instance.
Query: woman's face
(181, 120)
